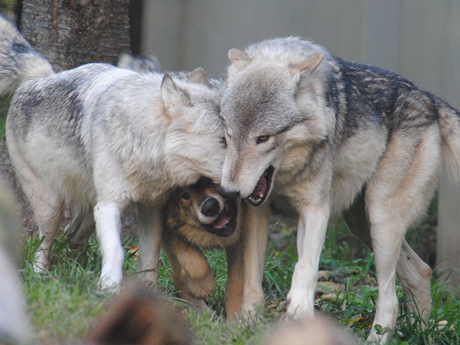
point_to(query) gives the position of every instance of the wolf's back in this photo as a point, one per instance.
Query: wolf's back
(18, 60)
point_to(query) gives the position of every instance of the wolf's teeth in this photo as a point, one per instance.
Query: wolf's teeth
(255, 198)
(261, 195)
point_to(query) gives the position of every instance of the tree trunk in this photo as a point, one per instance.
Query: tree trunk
(70, 33)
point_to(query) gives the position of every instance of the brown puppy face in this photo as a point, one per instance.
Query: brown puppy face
(201, 215)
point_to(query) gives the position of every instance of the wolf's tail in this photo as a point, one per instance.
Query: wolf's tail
(18, 60)
(450, 132)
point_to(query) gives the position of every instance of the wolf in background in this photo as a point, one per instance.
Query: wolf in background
(99, 137)
(334, 136)
(140, 64)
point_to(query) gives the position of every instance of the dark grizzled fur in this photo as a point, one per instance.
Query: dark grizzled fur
(140, 63)
(64, 95)
(145, 63)
(381, 97)
(21, 48)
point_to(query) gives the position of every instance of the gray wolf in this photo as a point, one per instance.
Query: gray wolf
(187, 228)
(140, 64)
(189, 224)
(100, 138)
(334, 136)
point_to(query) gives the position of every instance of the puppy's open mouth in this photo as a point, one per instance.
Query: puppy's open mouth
(225, 223)
(259, 194)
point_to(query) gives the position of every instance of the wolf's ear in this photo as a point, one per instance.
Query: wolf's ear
(198, 76)
(238, 58)
(172, 95)
(308, 65)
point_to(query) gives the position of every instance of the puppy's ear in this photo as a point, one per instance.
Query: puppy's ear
(198, 76)
(173, 96)
(238, 58)
(308, 65)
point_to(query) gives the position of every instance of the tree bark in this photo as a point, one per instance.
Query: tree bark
(70, 33)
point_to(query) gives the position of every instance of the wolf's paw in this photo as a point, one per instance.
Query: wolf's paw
(109, 284)
(40, 267)
(42, 260)
(299, 307)
(199, 305)
(201, 287)
(252, 298)
(107, 288)
(378, 337)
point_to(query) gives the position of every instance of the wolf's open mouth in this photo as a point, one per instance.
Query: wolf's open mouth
(225, 223)
(262, 189)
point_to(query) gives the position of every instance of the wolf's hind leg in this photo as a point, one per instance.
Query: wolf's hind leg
(75, 223)
(48, 209)
(81, 227)
(48, 214)
(414, 274)
(396, 197)
(45, 203)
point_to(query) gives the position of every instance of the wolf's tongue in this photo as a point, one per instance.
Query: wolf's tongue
(261, 187)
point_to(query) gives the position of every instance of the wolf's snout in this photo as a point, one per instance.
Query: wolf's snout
(229, 194)
(210, 207)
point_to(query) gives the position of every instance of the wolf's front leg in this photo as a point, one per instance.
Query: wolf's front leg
(189, 269)
(150, 229)
(311, 233)
(108, 225)
(235, 283)
(254, 234)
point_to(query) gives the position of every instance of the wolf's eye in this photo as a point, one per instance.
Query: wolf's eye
(263, 139)
(223, 141)
(185, 196)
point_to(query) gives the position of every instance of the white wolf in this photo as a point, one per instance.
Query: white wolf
(103, 137)
(334, 136)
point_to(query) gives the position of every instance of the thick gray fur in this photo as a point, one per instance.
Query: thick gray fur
(103, 137)
(340, 137)
(18, 60)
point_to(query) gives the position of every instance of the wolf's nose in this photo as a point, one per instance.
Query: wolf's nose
(210, 207)
(229, 194)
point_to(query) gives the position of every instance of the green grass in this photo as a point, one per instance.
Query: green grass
(2, 127)
(65, 302)
(4, 104)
